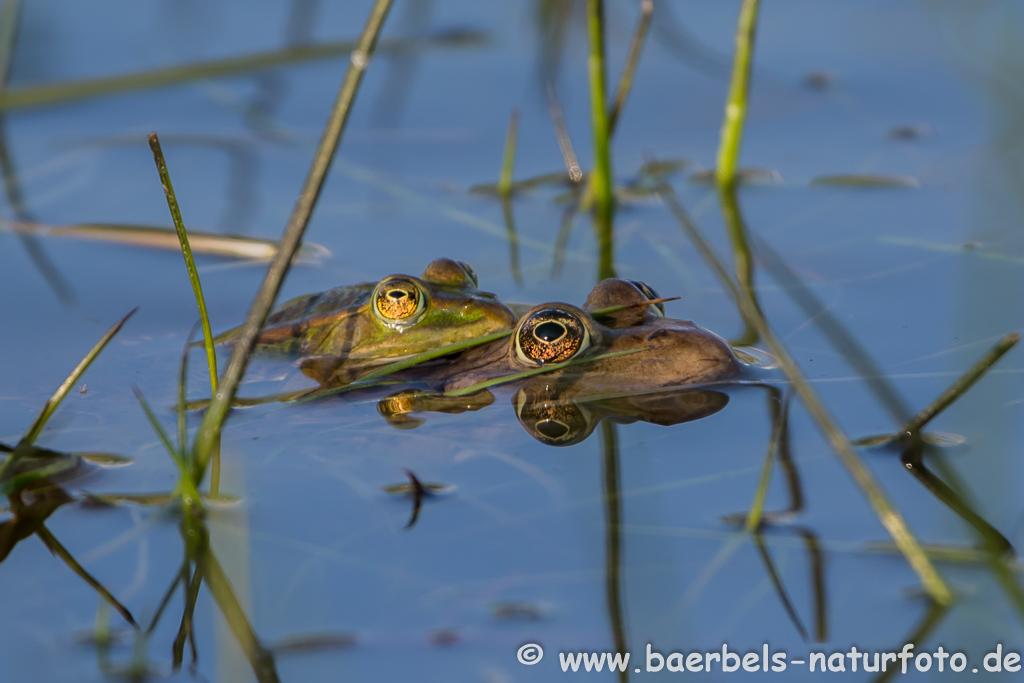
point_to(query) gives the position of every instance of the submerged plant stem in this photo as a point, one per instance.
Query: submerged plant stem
(736, 106)
(213, 421)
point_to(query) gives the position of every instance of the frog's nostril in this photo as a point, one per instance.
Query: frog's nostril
(657, 333)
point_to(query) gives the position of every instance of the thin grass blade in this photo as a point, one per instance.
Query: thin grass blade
(505, 379)
(186, 252)
(51, 405)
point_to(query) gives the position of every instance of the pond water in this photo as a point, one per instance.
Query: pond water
(612, 543)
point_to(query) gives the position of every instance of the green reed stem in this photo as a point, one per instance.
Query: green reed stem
(602, 174)
(913, 428)
(186, 252)
(53, 93)
(887, 513)
(508, 159)
(625, 85)
(736, 106)
(213, 420)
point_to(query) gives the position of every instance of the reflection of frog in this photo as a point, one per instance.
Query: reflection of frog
(354, 327)
(559, 416)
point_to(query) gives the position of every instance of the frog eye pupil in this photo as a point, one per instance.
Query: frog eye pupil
(397, 294)
(552, 429)
(549, 332)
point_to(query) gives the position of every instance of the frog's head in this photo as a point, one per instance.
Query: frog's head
(632, 293)
(660, 353)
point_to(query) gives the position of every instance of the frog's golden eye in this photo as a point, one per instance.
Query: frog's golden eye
(551, 335)
(650, 293)
(399, 300)
(470, 273)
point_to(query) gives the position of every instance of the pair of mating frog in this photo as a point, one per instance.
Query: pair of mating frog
(345, 332)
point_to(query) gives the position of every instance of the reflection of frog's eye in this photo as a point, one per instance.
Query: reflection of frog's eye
(552, 422)
(650, 293)
(399, 300)
(551, 335)
(470, 273)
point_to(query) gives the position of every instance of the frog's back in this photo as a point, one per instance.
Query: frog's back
(334, 301)
(296, 323)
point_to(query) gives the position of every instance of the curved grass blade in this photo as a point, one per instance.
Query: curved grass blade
(51, 405)
(213, 421)
(505, 379)
(366, 381)
(186, 252)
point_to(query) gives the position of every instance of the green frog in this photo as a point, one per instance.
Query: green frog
(346, 330)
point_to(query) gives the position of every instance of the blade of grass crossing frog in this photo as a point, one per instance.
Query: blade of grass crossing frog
(210, 428)
(366, 380)
(505, 379)
(186, 252)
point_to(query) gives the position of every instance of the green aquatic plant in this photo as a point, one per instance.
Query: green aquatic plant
(736, 105)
